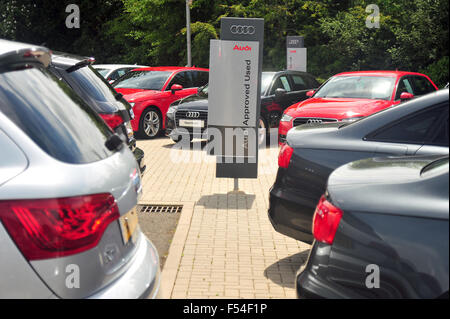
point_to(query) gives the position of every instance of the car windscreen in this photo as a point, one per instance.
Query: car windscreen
(102, 72)
(266, 79)
(145, 80)
(53, 116)
(358, 87)
(93, 84)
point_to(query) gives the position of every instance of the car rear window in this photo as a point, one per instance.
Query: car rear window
(94, 84)
(53, 116)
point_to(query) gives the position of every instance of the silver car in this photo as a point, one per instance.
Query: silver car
(68, 192)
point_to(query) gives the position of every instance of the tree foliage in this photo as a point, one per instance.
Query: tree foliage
(413, 35)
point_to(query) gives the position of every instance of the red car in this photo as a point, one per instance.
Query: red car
(150, 91)
(350, 96)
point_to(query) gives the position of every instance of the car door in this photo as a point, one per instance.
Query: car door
(183, 78)
(415, 84)
(285, 100)
(407, 135)
(300, 86)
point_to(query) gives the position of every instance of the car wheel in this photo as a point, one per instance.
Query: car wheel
(262, 131)
(150, 124)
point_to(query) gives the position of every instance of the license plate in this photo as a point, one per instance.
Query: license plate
(128, 224)
(192, 123)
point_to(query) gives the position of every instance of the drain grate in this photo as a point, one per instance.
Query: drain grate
(170, 209)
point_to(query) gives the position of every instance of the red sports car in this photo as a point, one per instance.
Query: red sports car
(150, 91)
(352, 95)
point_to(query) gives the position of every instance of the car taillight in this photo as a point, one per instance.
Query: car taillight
(113, 120)
(50, 228)
(326, 221)
(285, 156)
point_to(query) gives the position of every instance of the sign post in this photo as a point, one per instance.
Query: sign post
(296, 53)
(234, 97)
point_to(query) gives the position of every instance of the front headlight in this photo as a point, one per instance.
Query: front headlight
(351, 119)
(286, 118)
(171, 110)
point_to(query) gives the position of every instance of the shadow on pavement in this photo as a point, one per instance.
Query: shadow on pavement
(196, 145)
(231, 200)
(283, 271)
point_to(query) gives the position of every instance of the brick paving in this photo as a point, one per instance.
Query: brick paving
(225, 246)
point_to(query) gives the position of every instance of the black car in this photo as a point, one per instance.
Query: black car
(312, 152)
(381, 231)
(95, 91)
(279, 90)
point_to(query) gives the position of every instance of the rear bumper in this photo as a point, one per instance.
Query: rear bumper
(141, 280)
(312, 280)
(289, 216)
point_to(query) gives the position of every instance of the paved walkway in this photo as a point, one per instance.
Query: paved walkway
(224, 246)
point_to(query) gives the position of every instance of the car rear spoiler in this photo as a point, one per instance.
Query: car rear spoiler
(81, 64)
(23, 57)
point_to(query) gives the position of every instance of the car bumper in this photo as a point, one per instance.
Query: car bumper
(141, 280)
(289, 216)
(312, 280)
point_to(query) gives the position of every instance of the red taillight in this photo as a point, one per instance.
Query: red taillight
(285, 156)
(113, 120)
(326, 221)
(49, 228)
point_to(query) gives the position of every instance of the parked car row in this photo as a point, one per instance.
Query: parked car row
(68, 184)
(279, 90)
(363, 174)
(369, 193)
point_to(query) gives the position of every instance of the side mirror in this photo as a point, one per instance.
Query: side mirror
(280, 92)
(310, 93)
(119, 96)
(176, 87)
(406, 96)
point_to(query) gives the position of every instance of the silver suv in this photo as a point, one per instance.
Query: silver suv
(68, 196)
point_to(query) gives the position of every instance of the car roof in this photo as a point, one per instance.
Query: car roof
(118, 66)
(67, 59)
(16, 51)
(172, 68)
(379, 73)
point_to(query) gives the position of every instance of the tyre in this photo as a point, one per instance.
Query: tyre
(150, 124)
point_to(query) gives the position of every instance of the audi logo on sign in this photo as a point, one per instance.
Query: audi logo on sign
(315, 121)
(193, 115)
(242, 29)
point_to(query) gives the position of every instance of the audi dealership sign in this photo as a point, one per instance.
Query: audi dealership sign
(234, 96)
(296, 53)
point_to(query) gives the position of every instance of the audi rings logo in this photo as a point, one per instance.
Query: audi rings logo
(315, 121)
(242, 29)
(193, 115)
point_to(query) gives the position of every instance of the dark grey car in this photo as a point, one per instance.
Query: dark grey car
(418, 127)
(381, 231)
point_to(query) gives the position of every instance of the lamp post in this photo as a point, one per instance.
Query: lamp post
(188, 32)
